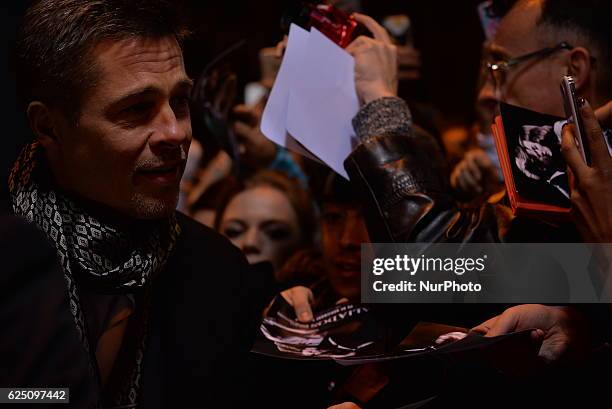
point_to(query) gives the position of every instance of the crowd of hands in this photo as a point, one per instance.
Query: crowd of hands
(376, 76)
(559, 330)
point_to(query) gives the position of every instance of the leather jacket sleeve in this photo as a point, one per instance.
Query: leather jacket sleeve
(400, 174)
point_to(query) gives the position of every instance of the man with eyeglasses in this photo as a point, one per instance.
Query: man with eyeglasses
(535, 44)
(538, 42)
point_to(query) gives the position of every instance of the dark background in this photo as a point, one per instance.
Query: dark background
(448, 34)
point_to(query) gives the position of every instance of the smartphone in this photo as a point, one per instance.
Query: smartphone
(572, 111)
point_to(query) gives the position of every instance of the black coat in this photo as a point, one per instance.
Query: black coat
(201, 326)
(39, 344)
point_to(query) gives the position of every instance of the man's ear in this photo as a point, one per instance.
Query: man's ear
(579, 67)
(43, 124)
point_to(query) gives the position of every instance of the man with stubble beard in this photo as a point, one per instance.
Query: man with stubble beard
(159, 301)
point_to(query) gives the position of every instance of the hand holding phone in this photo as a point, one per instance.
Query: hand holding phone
(591, 186)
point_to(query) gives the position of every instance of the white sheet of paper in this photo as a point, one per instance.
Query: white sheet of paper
(323, 101)
(274, 119)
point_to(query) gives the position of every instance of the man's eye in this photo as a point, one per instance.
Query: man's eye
(180, 105)
(180, 101)
(140, 108)
(497, 58)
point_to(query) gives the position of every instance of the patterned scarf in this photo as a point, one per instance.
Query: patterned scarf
(100, 257)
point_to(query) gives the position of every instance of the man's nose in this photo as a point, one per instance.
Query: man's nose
(169, 130)
(488, 98)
